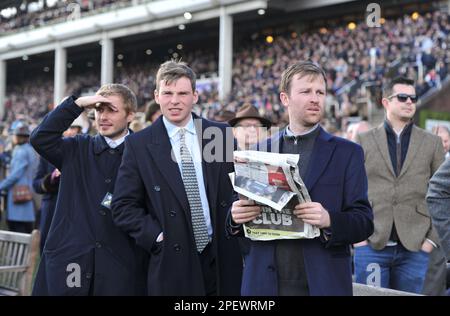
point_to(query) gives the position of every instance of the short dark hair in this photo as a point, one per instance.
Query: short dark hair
(172, 70)
(388, 87)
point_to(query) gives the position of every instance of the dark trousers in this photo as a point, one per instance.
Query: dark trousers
(208, 263)
(20, 227)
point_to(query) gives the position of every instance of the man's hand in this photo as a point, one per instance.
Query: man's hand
(313, 213)
(94, 101)
(243, 211)
(427, 246)
(55, 175)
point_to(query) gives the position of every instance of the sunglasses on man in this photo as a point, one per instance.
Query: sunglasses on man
(403, 97)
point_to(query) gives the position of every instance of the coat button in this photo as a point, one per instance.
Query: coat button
(172, 213)
(102, 212)
(223, 203)
(177, 247)
(98, 244)
(88, 275)
(107, 180)
(271, 268)
(157, 188)
(111, 151)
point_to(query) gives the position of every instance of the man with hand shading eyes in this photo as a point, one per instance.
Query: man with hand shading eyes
(85, 253)
(400, 158)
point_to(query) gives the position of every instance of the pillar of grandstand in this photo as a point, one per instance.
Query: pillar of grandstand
(107, 60)
(60, 74)
(225, 53)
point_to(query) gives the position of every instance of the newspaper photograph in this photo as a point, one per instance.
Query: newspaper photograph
(273, 181)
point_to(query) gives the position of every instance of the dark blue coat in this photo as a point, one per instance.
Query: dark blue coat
(150, 198)
(49, 191)
(337, 179)
(83, 240)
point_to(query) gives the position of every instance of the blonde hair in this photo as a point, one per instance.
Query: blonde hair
(301, 68)
(128, 96)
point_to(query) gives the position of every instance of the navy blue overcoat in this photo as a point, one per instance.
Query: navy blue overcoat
(49, 191)
(336, 178)
(150, 198)
(85, 253)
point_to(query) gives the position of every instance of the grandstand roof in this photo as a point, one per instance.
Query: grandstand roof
(11, 3)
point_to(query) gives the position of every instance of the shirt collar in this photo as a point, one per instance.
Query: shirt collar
(115, 143)
(173, 130)
(288, 131)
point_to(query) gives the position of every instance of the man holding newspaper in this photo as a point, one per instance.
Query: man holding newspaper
(327, 178)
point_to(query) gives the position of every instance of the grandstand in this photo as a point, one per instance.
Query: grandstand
(50, 49)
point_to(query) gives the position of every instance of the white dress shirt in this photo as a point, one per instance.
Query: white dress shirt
(115, 143)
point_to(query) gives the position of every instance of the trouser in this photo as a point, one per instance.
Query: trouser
(393, 267)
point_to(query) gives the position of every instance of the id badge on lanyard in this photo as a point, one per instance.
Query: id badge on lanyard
(107, 200)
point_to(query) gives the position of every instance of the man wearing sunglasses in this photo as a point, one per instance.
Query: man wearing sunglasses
(400, 159)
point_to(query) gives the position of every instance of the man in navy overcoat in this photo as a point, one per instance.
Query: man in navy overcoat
(150, 200)
(333, 171)
(85, 253)
(46, 182)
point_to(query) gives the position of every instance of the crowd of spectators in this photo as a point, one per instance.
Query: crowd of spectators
(356, 61)
(37, 14)
(399, 46)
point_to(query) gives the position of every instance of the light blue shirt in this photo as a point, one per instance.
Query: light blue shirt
(194, 149)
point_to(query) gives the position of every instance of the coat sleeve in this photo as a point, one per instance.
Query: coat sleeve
(438, 200)
(231, 228)
(39, 177)
(128, 204)
(20, 166)
(42, 181)
(47, 139)
(355, 222)
(438, 159)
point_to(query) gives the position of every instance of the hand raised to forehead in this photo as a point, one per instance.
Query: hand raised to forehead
(94, 101)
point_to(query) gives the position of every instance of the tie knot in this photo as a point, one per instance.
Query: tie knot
(182, 135)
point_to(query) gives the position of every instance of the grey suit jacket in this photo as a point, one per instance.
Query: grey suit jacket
(438, 199)
(401, 200)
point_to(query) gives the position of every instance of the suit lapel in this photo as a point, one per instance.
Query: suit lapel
(380, 139)
(200, 128)
(161, 151)
(321, 155)
(415, 142)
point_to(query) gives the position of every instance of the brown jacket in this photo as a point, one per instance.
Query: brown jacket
(401, 200)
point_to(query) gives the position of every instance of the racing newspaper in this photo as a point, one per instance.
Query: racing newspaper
(273, 181)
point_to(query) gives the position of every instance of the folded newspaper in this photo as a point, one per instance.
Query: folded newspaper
(273, 181)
